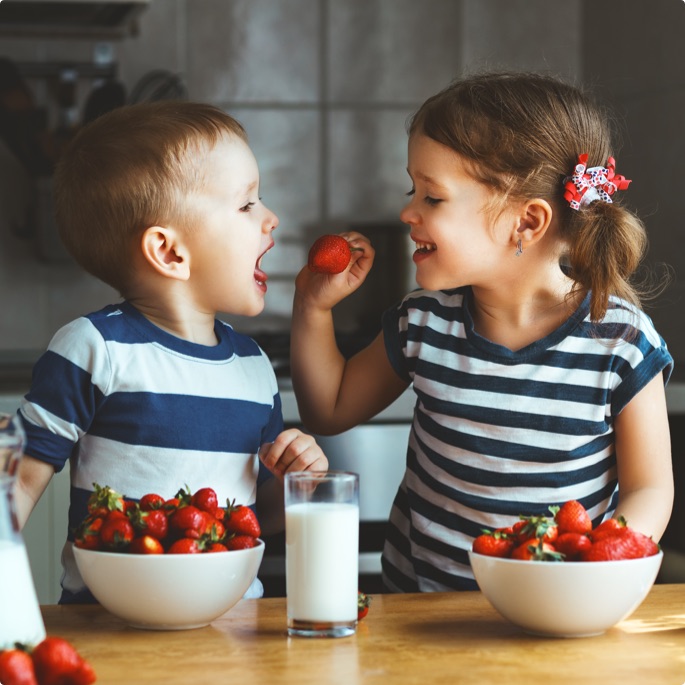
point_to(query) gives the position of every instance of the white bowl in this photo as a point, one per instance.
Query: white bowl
(169, 591)
(565, 599)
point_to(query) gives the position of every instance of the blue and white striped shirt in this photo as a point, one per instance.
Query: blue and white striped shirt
(140, 410)
(498, 433)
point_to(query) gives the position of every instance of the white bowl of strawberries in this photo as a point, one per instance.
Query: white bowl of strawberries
(558, 576)
(167, 564)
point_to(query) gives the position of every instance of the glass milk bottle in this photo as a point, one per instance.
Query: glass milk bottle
(20, 617)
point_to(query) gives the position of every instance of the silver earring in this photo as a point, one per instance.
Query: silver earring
(519, 248)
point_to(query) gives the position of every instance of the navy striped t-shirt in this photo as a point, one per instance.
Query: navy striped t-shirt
(498, 433)
(141, 410)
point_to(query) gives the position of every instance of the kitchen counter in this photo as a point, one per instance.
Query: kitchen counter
(415, 638)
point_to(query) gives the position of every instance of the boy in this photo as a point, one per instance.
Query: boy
(161, 202)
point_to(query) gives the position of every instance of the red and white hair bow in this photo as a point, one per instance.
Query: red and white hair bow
(596, 183)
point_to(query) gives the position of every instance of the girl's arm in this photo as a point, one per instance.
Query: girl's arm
(643, 456)
(335, 394)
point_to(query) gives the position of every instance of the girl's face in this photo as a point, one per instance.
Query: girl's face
(457, 242)
(232, 233)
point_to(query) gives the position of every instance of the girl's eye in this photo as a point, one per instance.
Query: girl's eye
(432, 201)
(247, 207)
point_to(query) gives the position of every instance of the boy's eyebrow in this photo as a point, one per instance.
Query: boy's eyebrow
(245, 190)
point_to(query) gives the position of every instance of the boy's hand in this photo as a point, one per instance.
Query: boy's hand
(292, 451)
(324, 291)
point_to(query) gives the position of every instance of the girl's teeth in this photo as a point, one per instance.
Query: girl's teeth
(426, 247)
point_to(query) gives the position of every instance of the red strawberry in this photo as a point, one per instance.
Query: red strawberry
(117, 531)
(572, 517)
(242, 521)
(363, 602)
(536, 550)
(205, 499)
(625, 544)
(572, 545)
(607, 528)
(104, 500)
(146, 544)
(497, 544)
(189, 521)
(330, 254)
(151, 501)
(16, 668)
(185, 546)
(153, 522)
(216, 547)
(537, 527)
(58, 663)
(241, 542)
(88, 533)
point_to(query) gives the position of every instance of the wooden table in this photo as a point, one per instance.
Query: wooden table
(454, 638)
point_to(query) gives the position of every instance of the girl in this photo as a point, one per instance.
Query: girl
(538, 379)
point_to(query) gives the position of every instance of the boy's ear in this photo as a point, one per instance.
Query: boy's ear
(164, 251)
(533, 221)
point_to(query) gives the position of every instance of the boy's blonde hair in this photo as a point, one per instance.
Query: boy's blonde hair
(128, 170)
(521, 135)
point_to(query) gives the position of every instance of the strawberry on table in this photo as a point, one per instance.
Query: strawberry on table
(330, 254)
(16, 668)
(57, 662)
(363, 602)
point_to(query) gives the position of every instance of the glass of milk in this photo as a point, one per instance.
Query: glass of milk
(322, 553)
(20, 617)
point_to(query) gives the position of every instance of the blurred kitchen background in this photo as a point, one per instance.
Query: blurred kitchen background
(324, 89)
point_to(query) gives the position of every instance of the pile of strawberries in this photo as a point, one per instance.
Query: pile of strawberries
(54, 661)
(567, 535)
(188, 523)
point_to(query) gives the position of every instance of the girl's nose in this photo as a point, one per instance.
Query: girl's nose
(407, 214)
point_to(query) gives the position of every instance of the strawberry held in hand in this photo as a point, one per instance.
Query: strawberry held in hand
(330, 254)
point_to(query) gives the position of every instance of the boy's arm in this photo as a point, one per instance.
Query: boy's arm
(33, 476)
(643, 456)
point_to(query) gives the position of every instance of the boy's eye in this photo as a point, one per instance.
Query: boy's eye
(410, 193)
(247, 207)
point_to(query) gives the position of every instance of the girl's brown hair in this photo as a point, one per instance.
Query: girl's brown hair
(521, 135)
(128, 170)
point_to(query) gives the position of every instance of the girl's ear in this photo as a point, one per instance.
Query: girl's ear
(534, 220)
(164, 251)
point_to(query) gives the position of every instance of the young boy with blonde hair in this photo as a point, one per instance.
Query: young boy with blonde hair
(161, 201)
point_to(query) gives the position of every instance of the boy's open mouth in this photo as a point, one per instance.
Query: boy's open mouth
(260, 276)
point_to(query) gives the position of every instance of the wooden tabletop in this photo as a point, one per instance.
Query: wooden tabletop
(454, 638)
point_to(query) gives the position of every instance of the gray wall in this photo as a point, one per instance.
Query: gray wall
(324, 88)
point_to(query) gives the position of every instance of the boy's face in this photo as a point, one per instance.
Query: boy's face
(232, 233)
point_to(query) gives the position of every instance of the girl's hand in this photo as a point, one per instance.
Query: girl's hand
(324, 291)
(292, 451)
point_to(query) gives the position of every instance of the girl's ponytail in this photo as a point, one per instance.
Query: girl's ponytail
(607, 243)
